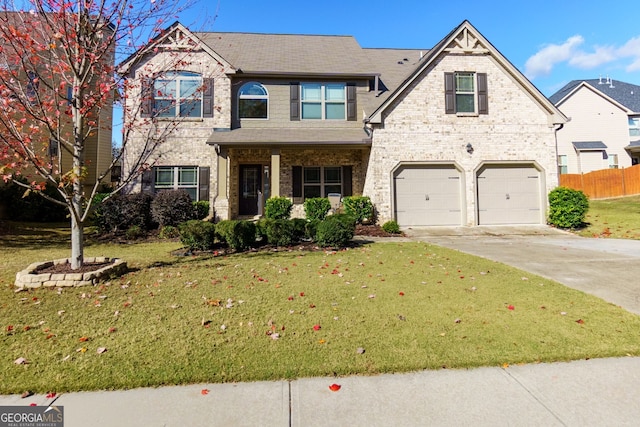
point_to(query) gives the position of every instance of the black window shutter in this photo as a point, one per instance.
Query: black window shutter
(207, 98)
(294, 99)
(146, 97)
(347, 179)
(148, 181)
(352, 113)
(449, 93)
(483, 98)
(203, 183)
(296, 177)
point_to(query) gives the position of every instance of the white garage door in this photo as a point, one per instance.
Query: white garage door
(508, 195)
(428, 195)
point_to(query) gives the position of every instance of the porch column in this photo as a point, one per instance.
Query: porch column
(275, 172)
(222, 175)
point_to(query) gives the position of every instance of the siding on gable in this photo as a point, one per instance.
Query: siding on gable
(593, 118)
(417, 129)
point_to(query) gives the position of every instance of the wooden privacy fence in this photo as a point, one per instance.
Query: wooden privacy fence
(605, 183)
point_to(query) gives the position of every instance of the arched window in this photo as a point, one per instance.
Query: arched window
(253, 101)
(178, 94)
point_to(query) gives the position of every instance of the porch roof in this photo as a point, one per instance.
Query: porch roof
(288, 136)
(589, 145)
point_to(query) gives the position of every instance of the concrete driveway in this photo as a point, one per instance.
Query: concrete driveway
(606, 268)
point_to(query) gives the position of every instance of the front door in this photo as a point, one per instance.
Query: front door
(250, 189)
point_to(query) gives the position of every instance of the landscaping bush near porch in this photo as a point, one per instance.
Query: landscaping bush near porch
(377, 308)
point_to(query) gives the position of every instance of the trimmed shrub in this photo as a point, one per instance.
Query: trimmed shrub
(335, 230)
(279, 232)
(360, 208)
(120, 212)
(134, 232)
(311, 228)
(200, 209)
(169, 232)
(278, 208)
(238, 235)
(317, 208)
(171, 207)
(299, 229)
(567, 207)
(197, 235)
(391, 227)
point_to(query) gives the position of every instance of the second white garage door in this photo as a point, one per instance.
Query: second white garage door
(428, 195)
(508, 194)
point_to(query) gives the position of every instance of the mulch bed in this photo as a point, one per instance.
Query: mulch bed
(65, 268)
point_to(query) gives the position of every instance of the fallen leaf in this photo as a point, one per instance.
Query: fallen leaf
(51, 395)
(301, 294)
(316, 327)
(112, 330)
(20, 361)
(580, 321)
(360, 350)
(321, 341)
(9, 328)
(83, 339)
(511, 307)
(335, 387)
(33, 404)
(505, 365)
(401, 293)
(26, 394)
(101, 350)
(204, 391)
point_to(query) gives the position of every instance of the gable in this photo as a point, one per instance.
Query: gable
(466, 41)
(175, 39)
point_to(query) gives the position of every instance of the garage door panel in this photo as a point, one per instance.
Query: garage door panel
(427, 195)
(508, 195)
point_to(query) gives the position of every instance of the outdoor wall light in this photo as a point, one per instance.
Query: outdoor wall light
(469, 148)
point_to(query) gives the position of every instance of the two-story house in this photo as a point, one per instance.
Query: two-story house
(453, 135)
(604, 127)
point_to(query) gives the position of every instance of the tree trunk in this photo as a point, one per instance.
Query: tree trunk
(77, 240)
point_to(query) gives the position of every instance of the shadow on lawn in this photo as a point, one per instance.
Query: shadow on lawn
(19, 235)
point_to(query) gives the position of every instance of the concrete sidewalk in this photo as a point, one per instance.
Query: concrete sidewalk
(599, 392)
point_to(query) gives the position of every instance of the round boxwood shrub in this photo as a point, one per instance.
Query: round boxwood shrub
(336, 230)
(278, 208)
(391, 227)
(197, 235)
(200, 209)
(169, 232)
(567, 207)
(359, 207)
(279, 232)
(172, 207)
(238, 235)
(316, 208)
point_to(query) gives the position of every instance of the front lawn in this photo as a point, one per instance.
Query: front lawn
(376, 308)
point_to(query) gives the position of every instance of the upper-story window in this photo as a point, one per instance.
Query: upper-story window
(634, 126)
(253, 101)
(178, 94)
(466, 93)
(323, 101)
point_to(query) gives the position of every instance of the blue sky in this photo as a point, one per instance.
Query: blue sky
(551, 42)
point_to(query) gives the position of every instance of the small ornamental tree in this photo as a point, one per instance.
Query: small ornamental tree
(58, 83)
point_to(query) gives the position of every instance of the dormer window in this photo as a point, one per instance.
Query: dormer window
(253, 101)
(323, 101)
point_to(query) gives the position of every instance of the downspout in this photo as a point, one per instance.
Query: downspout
(555, 135)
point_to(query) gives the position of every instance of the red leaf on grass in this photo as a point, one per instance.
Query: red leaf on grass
(580, 321)
(83, 339)
(9, 328)
(316, 327)
(301, 294)
(51, 395)
(335, 387)
(511, 307)
(401, 293)
(290, 298)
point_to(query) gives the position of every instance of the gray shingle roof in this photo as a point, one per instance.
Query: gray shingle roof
(589, 145)
(290, 53)
(626, 94)
(294, 136)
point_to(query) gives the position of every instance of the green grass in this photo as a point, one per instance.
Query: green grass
(410, 306)
(616, 218)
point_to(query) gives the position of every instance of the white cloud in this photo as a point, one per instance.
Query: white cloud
(542, 63)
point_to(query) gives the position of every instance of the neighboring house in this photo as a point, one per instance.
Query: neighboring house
(604, 127)
(37, 83)
(454, 135)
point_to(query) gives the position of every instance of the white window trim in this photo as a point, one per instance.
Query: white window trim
(253, 97)
(176, 180)
(323, 101)
(474, 76)
(178, 79)
(563, 165)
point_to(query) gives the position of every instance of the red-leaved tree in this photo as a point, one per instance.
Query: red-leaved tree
(58, 84)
